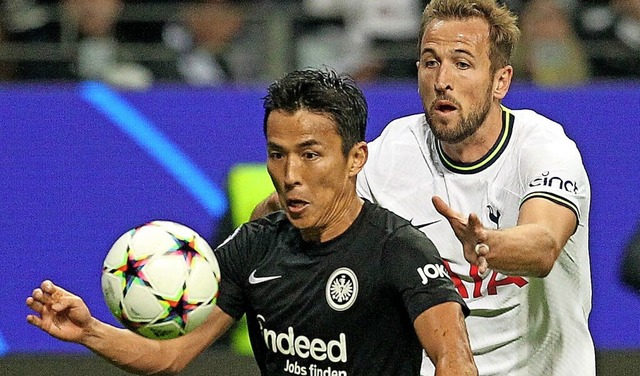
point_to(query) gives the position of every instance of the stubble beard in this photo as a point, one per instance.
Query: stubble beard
(466, 127)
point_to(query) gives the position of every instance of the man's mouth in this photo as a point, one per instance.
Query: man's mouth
(444, 106)
(296, 206)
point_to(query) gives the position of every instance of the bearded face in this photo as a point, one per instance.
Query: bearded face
(469, 118)
(455, 77)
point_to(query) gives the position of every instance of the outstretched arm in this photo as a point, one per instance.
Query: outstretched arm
(65, 316)
(443, 334)
(528, 249)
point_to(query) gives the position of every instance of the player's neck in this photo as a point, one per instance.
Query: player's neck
(476, 146)
(341, 219)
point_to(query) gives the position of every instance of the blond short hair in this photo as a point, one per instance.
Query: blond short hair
(503, 29)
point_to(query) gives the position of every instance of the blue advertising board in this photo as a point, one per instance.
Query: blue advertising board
(81, 164)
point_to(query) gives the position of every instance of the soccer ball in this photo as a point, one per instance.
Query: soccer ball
(160, 279)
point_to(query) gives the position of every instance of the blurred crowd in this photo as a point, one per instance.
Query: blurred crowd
(134, 43)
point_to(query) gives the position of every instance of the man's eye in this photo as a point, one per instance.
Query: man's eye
(274, 155)
(430, 63)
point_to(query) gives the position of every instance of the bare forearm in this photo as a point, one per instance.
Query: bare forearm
(525, 250)
(132, 352)
(457, 358)
(65, 316)
(443, 333)
(450, 365)
(144, 356)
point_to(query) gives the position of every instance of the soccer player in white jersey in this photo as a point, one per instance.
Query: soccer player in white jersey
(512, 189)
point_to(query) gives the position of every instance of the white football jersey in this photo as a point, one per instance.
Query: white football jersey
(518, 325)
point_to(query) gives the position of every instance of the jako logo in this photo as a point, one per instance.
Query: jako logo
(290, 344)
(554, 181)
(431, 271)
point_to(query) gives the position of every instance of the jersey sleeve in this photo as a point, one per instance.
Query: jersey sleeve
(234, 259)
(554, 170)
(416, 272)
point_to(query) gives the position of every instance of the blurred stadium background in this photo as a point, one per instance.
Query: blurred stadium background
(119, 112)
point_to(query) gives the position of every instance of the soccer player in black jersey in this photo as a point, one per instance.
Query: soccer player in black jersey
(331, 284)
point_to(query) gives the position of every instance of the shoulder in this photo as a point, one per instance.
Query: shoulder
(535, 125)
(259, 231)
(395, 228)
(382, 218)
(270, 222)
(406, 120)
(398, 127)
(537, 134)
(399, 142)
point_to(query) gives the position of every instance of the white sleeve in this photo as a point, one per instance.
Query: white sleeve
(555, 171)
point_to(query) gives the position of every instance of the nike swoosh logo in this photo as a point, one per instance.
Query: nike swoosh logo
(255, 280)
(426, 224)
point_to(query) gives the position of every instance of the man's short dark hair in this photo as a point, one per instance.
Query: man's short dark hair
(323, 92)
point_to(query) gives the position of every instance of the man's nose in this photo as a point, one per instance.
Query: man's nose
(292, 172)
(443, 79)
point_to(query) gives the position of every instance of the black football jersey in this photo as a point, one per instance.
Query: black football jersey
(344, 307)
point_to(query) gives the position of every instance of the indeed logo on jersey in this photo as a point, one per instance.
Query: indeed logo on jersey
(298, 345)
(554, 181)
(431, 271)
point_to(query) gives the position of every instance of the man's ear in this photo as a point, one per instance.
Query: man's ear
(502, 82)
(358, 157)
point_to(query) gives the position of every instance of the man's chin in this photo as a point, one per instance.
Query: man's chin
(298, 221)
(442, 132)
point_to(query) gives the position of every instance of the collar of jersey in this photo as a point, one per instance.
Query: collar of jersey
(488, 159)
(332, 245)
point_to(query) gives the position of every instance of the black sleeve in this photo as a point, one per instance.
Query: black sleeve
(234, 260)
(416, 271)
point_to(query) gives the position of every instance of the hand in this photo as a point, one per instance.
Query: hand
(59, 313)
(469, 231)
